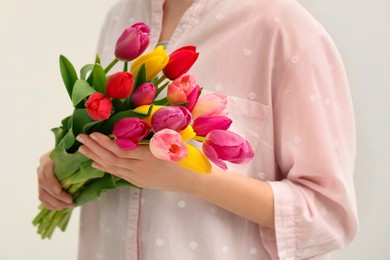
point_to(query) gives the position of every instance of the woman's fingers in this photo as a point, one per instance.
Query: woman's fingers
(51, 202)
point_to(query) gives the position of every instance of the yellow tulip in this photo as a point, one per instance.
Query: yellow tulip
(154, 61)
(196, 161)
(187, 133)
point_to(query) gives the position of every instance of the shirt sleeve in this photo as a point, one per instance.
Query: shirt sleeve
(314, 198)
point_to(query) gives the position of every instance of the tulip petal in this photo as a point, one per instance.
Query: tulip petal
(126, 144)
(213, 156)
(196, 161)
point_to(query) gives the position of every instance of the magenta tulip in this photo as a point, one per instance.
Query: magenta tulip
(129, 131)
(221, 146)
(167, 145)
(205, 124)
(173, 117)
(180, 61)
(143, 95)
(213, 104)
(132, 42)
(98, 106)
(193, 98)
(120, 85)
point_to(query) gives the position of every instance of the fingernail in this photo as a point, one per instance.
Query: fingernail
(80, 139)
(93, 137)
(69, 201)
(82, 149)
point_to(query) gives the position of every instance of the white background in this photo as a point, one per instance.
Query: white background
(34, 33)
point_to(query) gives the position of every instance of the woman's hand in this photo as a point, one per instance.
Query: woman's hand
(138, 166)
(50, 191)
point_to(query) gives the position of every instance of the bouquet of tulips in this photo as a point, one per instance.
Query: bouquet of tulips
(127, 107)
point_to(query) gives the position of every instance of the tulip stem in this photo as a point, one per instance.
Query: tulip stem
(125, 66)
(161, 89)
(112, 64)
(200, 138)
(161, 79)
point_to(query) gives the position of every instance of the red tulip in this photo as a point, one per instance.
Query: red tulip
(223, 146)
(180, 61)
(98, 106)
(205, 124)
(120, 85)
(132, 42)
(143, 95)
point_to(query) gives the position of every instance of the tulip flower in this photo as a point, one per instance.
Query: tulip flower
(213, 104)
(221, 146)
(129, 131)
(120, 85)
(187, 133)
(143, 95)
(98, 106)
(132, 42)
(144, 109)
(154, 61)
(180, 61)
(205, 124)
(168, 145)
(196, 161)
(182, 90)
(173, 117)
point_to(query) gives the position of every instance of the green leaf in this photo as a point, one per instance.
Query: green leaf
(109, 124)
(93, 189)
(161, 102)
(68, 140)
(140, 77)
(80, 118)
(59, 133)
(68, 74)
(81, 90)
(66, 164)
(121, 104)
(99, 78)
(84, 71)
(85, 173)
(97, 58)
(67, 122)
(92, 126)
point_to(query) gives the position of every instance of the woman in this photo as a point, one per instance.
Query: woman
(288, 95)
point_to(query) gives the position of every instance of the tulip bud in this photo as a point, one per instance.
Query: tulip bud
(168, 145)
(132, 42)
(205, 124)
(129, 131)
(180, 61)
(173, 117)
(120, 85)
(143, 95)
(182, 90)
(98, 106)
(154, 62)
(221, 146)
(213, 104)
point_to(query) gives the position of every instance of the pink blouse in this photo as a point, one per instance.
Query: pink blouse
(289, 96)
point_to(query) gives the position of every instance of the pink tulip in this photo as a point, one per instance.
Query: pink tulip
(167, 145)
(223, 146)
(205, 124)
(129, 131)
(98, 106)
(173, 117)
(193, 98)
(180, 61)
(120, 85)
(213, 104)
(143, 95)
(181, 88)
(132, 42)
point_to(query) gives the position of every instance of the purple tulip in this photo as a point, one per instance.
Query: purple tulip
(129, 131)
(173, 117)
(132, 42)
(143, 95)
(205, 124)
(221, 146)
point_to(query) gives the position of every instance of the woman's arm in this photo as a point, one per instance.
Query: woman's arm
(244, 196)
